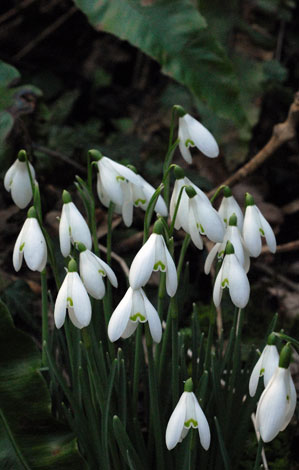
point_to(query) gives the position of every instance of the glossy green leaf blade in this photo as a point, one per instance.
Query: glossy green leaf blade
(43, 442)
(8, 74)
(174, 33)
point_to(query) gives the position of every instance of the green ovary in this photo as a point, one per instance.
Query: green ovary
(137, 316)
(159, 263)
(191, 422)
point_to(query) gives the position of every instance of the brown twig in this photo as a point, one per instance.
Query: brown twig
(282, 133)
(61, 156)
(45, 33)
(13, 11)
(285, 247)
(274, 274)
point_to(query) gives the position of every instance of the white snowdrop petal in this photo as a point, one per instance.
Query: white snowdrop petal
(79, 228)
(17, 257)
(203, 425)
(130, 329)
(153, 319)
(74, 319)
(21, 191)
(8, 178)
(175, 424)
(239, 287)
(143, 263)
(291, 402)
(211, 222)
(202, 138)
(193, 229)
(81, 302)
(235, 238)
(171, 275)
(251, 233)
(174, 197)
(185, 152)
(255, 375)
(123, 171)
(64, 236)
(61, 304)
(103, 196)
(89, 272)
(127, 207)
(110, 185)
(183, 136)
(271, 408)
(110, 274)
(217, 291)
(210, 258)
(120, 317)
(35, 245)
(269, 234)
(270, 362)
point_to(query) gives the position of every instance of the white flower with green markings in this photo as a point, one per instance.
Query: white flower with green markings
(72, 297)
(231, 275)
(134, 308)
(31, 244)
(265, 366)
(277, 403)
(154, 256)
(228, 207)
(187, 414)
(193, 134)
(72, 227)
(17, 181)
(256, 226)
(92, 271)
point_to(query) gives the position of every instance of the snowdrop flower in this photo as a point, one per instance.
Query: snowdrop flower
(187, 414)
(72, 296)
(278, 401)
(265, 366)
(230, 206)
(17, 181)
(195, 214)
(92, 270)
(72, 226)
(154, 256)
(133, 308)
(30, 243)
(194, 134)
(233, 235)
(254, 227)
(233, 276)
(139, 196)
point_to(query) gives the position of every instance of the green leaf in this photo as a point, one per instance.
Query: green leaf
(29, 435)
(8, 74)
(6, 124)
(174, 33)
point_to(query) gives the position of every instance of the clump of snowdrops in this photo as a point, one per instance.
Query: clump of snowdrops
(137, 391)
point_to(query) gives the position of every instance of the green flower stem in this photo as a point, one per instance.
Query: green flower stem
(176, 210)
(169, 154)
(107, 301)
(218, 190)
(223, 450)
(149, 211)
(89, 173)
(137, 361)
(105, 420)
(258, 455)
(154, 404)
(14, 444)
(195, 335)
(293, 341)
(45, 327)
(174, 347)
(184, 248)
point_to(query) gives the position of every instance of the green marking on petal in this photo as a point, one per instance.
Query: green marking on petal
(102, 272)
(159, 263)
(141, 201)
(262, 232)
(138, 316)
(120, 178)
(22, 247)
(70, 301)
(191, 422)
(221, 254)
(225, 282)
(225, 220)
(189, 142)
(288, 397)
(70, 230)
(201, 228)
(262, 371)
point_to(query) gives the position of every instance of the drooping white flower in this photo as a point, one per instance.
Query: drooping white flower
(187, 414)
(72, 296)
(254, 227)
(195, 214)
(154, 256)
(139, 196)
(277, 403)
(229, 206)
(233, 235)
(92, 270)
(193, 134)
(111, 175)
(72, 227)
(17, 181)
(133, 308)
(265, 366)
(233, 276)
(31, 244)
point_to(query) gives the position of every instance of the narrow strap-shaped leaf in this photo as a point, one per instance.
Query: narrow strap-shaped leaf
(106, 414)
(126, 447)
(224, 454)
(18, 454)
